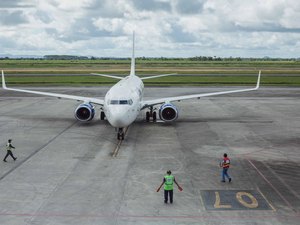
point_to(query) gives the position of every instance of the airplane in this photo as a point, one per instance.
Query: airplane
(124, 101)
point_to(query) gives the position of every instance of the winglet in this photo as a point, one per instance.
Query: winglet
(258, 80)
(132, 69)
(3, 81)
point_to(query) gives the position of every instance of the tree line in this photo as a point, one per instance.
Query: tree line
(195, 58)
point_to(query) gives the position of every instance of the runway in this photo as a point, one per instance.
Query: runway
(65, 172)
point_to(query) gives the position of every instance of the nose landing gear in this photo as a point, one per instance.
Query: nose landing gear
(120, 134)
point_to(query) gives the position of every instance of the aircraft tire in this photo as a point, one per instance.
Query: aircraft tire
(147, 116)
(154, 116)
(102, 115)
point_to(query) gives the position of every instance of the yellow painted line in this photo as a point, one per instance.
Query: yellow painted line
(117, 149)
(217, 204)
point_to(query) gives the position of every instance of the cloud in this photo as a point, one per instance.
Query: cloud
(12, 18)
(152, 5)
(163, 27)
(109, 25)
(189, 6)
(15, 4)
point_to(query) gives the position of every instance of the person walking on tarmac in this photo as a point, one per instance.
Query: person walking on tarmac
(9, 152)
(225, 164)
(168, 183)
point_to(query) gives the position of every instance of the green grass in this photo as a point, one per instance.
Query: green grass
(163, 81)
(231, 72)
(125, 63)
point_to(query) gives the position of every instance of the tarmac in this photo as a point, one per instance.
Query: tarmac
(68, 172)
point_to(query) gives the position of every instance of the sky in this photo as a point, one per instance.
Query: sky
(163, 28)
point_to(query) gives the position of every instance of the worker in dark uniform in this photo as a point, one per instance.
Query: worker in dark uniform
(225, 164)
(9, 147)
(168, 183)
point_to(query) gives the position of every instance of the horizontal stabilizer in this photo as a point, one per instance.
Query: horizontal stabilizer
(106, 75)
(156, 76)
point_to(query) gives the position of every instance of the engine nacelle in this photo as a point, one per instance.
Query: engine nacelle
(168, 112)
(84, 112)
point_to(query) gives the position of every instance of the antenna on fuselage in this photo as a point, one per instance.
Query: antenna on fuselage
(132, 69)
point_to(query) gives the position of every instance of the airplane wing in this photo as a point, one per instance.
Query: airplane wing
(148, 103)
(73, 97)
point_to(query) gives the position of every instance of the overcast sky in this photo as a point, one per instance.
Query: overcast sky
(169, 28)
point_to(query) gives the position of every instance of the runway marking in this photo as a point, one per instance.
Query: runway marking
(217, 200)
(272, 186)
(36, 151)
(124, 216)
(273, 208)
(117, 149)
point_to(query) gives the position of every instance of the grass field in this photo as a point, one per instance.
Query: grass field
(164, 81)
(194, 73)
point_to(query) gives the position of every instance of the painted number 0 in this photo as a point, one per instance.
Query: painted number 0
(252, 205)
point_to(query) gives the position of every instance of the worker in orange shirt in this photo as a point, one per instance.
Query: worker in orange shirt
(225, 164)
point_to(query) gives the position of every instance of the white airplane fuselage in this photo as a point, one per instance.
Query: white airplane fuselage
(122, 103)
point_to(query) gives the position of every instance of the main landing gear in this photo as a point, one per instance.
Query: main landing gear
(151, 114)
(102, 115)
(121, 134)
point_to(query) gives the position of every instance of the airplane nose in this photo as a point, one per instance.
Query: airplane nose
(117, 117)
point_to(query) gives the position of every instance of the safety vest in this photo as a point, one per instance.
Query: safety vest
(226, 162)
(169, 181)
(8, 146)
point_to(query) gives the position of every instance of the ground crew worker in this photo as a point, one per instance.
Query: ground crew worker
(225, 164)
(168, 183)
(9, 152)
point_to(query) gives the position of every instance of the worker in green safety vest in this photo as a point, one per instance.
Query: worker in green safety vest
(168, 183)
(9, 147)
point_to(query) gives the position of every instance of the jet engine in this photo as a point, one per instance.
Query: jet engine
(168, 112)
(85, 112)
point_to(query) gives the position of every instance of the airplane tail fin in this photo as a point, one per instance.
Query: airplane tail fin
(132, 68)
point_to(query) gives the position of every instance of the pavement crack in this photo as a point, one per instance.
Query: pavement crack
(36, 151)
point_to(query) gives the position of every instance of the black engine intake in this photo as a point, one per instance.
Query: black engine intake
(84, 112)
(168, 112)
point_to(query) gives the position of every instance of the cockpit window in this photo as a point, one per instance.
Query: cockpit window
(121, 102)
(114, 102)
